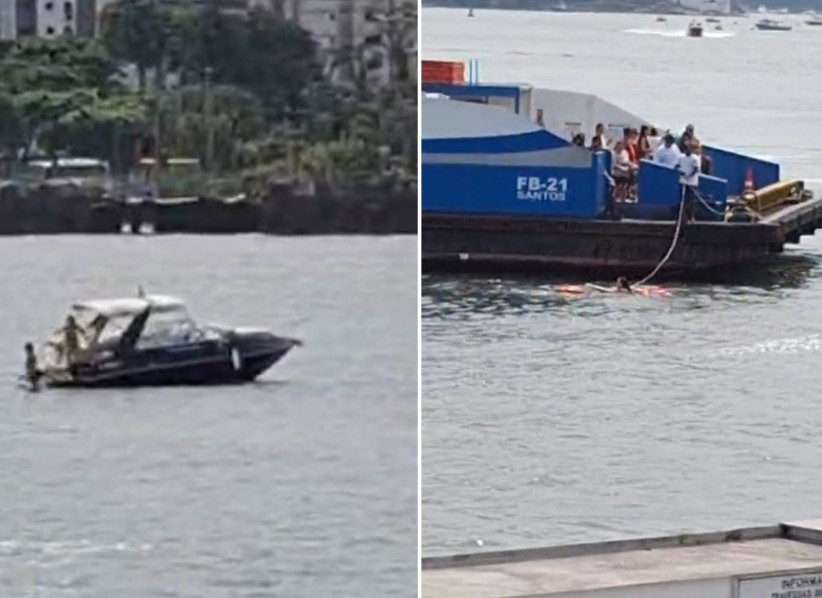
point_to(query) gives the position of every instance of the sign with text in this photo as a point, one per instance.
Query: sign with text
(534, 188)
(804, 585)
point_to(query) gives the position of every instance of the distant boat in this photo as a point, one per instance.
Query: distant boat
(814, 20)
(695, 29)
(661, 20)
(771, 25)
(719, 28)
(470, 12)
(712, 20)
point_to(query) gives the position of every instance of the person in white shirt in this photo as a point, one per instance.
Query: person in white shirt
(623, 171)
(668, 153)
(655, 139)
(689, 166)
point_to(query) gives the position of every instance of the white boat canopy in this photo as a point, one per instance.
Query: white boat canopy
(130, 306)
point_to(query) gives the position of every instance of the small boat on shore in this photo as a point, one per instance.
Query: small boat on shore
(695, 29)
(152, 341)
(771, 25)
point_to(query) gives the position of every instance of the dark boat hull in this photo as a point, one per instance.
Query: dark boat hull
(236, 359)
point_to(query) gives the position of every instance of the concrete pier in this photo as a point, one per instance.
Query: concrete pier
(779, 561)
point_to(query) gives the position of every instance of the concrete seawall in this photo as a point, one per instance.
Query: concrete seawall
(775, 561)
(70, 209)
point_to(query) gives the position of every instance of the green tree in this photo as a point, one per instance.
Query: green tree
(259, 51)
(140, 32)
(237, 118)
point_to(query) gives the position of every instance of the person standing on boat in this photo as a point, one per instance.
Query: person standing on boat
(72, 333)
(689, 166)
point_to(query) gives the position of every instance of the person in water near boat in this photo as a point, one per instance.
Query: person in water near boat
(622, 285)
(33, 372)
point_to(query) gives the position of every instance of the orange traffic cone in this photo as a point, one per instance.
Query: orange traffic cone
(749, 182)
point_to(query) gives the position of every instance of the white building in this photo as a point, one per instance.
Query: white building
(8, 19)
(46, 18)
(56, 17)
(778, 561)
(361, 29)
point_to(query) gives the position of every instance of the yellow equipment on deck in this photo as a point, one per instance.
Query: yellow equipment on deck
(775, 195)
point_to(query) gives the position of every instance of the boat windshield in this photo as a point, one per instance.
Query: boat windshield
(171, 327)
(161, 327)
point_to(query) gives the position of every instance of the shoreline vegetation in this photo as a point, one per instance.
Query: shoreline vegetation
(182, 100)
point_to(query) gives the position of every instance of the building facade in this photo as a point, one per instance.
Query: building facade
(47, 18)
(357, 35)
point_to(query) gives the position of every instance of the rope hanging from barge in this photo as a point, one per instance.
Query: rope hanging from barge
(680, 221)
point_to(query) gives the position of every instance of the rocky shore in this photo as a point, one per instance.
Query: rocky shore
(283, 211)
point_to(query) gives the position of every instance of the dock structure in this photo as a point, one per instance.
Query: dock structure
(778, 561)
(496, 242)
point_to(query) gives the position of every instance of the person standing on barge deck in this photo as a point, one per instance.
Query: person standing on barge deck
(689, 166)
(667, 153)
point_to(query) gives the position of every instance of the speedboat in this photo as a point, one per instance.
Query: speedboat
(153, 341)
(814, 20)
(712, 20)
(695, 29)
(771, 25)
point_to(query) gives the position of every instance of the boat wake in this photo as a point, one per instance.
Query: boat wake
(679, 33)
(15, 548)
(807, 344)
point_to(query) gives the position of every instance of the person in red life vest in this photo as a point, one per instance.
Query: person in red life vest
(629, 137)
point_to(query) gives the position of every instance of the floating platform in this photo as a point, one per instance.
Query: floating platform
(454, 242)
(779, 561)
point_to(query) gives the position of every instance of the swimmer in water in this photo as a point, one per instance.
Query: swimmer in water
(33, 372)
(622, 285)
